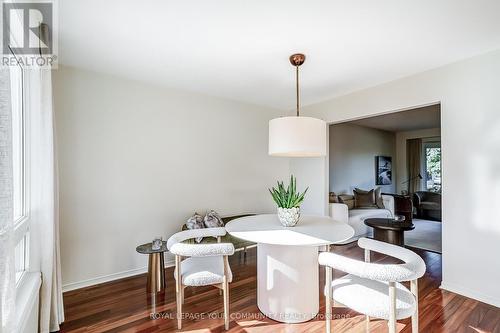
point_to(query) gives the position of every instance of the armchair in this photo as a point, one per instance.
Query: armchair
(428, 205)
(201, 265)
(375, 289)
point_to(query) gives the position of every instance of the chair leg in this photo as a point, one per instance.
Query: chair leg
(225, 290)
(179, 310)
(367, 319)
(414, 318)
(220, 292)
(328, 300)
(226, 303)
(243, 254)
(392, 310)
(178, 291)
(367, 255)
(182, 295)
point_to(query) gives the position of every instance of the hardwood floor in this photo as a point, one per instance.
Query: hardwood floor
(124, 306)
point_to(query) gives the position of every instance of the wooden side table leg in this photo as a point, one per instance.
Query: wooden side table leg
(156, 273)
(379, 235)
(389, 236)
(396, 237)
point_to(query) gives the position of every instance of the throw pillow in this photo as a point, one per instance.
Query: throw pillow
(378, 196)
(195, 222)
(364, 199)
(347, 200)
(213, 220)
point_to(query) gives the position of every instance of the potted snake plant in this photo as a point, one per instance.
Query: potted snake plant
(288, 201)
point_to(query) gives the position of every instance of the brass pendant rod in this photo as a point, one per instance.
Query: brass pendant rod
(296, 60)
(297, 87)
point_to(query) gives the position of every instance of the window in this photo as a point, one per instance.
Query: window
(432, 154)
(21, 257)
(21, 223)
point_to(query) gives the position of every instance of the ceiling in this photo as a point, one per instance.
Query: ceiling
(239, 49)
(410, 120)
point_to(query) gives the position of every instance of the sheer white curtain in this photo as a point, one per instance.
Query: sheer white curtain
(7, 268)
(44, 197)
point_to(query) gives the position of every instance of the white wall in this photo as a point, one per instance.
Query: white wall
(136, 160)
(315, 202)
(470, 141)
(352, 157)
(401, 160)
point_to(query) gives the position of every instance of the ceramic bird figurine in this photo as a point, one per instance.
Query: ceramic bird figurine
(195, 222)
(213, 220)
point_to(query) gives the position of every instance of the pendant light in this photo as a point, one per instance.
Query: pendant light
(297, 136)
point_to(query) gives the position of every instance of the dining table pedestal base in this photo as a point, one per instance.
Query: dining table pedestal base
(287, 282)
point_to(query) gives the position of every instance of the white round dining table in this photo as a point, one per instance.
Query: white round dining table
(287, 261)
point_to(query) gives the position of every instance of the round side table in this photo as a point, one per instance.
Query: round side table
(156, 266)
(389, 231)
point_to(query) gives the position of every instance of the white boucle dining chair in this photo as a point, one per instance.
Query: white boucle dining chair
(201, 265)
(374, 289)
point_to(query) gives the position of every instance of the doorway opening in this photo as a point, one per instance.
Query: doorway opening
(399, 156)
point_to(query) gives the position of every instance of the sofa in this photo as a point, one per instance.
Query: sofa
(428, 205)
(355, 217)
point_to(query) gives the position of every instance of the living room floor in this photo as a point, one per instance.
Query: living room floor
(426, 235)
(124, 305)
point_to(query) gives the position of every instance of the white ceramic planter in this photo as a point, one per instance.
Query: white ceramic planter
(289, 216)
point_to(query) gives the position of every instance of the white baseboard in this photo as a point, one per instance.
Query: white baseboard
(474, 294)
(119, 275)
(110, 277)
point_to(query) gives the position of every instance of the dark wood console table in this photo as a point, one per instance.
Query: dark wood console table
(403, 205)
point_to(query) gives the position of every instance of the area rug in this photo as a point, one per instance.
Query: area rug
(426, 235)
